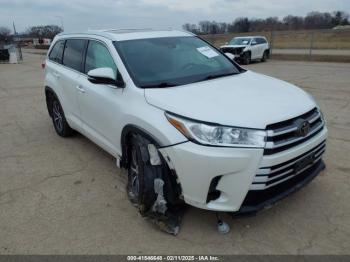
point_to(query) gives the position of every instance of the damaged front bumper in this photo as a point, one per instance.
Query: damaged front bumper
(236, 52)
(223, 179)
(197, 167)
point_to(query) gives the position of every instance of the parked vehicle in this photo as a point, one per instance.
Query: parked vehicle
(189, 124)
(248, 48)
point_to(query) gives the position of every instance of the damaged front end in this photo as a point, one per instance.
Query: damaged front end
(236, 51)
(152, 187)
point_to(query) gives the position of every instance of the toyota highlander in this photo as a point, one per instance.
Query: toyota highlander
(188, 123)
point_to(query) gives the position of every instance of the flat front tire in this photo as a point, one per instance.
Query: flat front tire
(246, 58)
(140, 186)
(264, 57)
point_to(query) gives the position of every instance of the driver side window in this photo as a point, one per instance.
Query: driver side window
(97, 56)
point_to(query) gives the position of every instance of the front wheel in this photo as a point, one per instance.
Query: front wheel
(264, 57)
(246, 58)
(150, 187)
(140, 187)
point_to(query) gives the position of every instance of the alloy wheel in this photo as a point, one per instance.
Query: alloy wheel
(57, 115)
(134, 174)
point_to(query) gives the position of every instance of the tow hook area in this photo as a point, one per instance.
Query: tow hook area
(152, 187)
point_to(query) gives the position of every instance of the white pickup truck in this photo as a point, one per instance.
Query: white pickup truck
(248, 48)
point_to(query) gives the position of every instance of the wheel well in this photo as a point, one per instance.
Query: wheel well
(172, 186)
(248, 52)
(127, 132)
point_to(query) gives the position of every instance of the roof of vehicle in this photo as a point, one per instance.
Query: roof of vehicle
(129, 34)
(254, 36)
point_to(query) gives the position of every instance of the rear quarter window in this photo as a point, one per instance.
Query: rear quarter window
(57, 52)
(73, 53)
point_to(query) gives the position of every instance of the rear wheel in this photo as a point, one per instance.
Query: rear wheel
(59, 120)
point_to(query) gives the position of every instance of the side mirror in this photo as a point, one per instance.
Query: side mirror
(105, 75)
(254, 43)
(231, 56)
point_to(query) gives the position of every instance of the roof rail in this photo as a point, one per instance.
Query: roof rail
(120, 29)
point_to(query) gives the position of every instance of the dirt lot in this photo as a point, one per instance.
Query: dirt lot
(65, 196)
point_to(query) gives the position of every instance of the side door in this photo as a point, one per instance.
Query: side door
(100, 104)
(254, 47)
(69, 75)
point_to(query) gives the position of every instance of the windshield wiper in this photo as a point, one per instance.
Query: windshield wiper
(160, 85)
(169, 84)
(218, 76)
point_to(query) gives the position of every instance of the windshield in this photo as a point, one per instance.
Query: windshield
(240, 41)
(172, 61)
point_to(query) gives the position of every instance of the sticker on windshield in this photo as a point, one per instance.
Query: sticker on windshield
(207, 51)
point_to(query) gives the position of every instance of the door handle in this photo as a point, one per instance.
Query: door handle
(80, 89)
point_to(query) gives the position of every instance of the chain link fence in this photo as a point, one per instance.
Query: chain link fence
(313, 45)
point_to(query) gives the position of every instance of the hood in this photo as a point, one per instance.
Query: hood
(244, 100)
(233, 46)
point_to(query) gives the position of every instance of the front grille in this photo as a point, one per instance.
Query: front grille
(284, 135)
(259, 199)
(235, 51)
(268, 177)
(272, 183)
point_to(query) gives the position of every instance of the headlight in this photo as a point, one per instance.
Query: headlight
(216, 135)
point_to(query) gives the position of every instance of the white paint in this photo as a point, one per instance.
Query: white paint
(243, 100)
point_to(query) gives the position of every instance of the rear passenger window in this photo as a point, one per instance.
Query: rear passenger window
(97, 56)
(73, 53)
(57, 52)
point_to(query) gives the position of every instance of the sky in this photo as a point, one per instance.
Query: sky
(78, 15)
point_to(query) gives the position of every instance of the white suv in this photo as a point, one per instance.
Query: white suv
(248, 48)
(188, 123)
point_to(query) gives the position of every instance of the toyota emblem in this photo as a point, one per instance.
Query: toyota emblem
(304, 128)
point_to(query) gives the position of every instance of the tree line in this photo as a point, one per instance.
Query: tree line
(42, 31)
(313, 20)
(45, 31)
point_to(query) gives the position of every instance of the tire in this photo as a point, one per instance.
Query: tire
(246, 58)
(264, 57)
(59, 120)
(141, 176)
